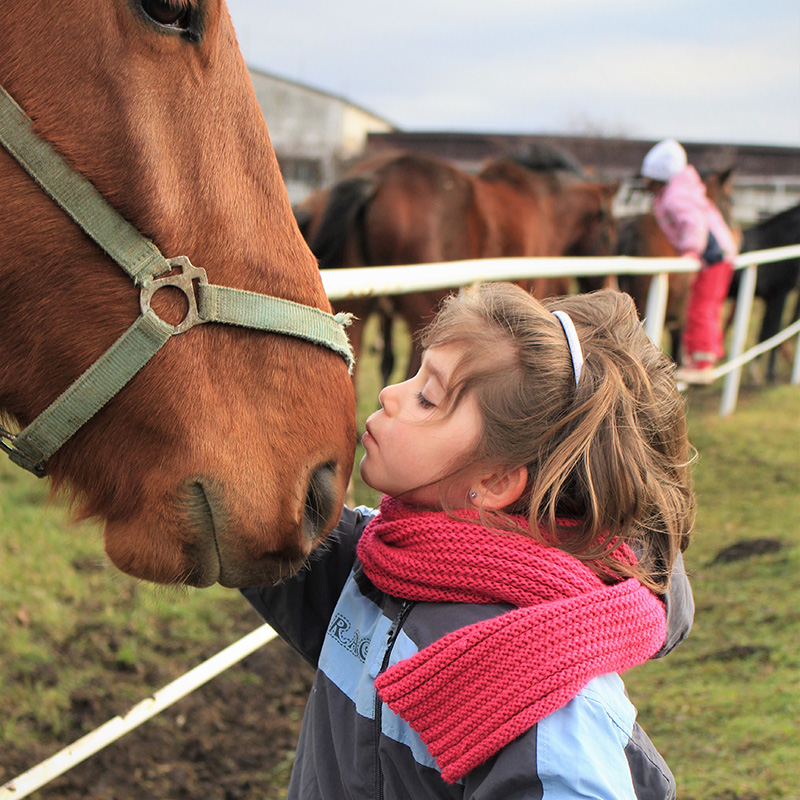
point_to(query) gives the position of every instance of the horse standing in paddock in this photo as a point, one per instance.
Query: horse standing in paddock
(226, 458)
(640, 236)
(414, 209)
(775, 280)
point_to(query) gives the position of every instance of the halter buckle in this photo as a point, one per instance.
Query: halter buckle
(183, 281)
(38, 468)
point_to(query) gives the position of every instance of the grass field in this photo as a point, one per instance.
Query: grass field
(724, 709)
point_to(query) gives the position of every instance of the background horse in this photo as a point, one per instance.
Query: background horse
(227, 457)
(413, 209)
(776, 280)
(640, 236)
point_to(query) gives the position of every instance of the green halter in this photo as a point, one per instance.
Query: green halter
(143, 263)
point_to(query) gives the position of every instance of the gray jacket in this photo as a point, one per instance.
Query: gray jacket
(352, 747)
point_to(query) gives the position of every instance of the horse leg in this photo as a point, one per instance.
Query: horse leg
(770, 325)
(676, 340)
(417, 310)
(593, 283)
(386, 311)
(360, 309)
(539, 288)
(786, 349)
(637, 286)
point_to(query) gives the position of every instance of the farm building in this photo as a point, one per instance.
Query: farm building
(315, 135)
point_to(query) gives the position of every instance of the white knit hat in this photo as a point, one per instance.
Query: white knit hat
(664, 161)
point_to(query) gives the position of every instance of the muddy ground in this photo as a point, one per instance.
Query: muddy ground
(232, 739)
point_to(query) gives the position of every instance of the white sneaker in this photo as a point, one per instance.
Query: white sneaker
(699, 373)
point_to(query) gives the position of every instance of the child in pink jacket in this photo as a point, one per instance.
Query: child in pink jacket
(695, 228)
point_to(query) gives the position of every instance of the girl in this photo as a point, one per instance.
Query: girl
(467, 637)
(695, 227)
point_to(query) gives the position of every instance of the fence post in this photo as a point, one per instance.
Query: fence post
(741, 322)
(656, 309)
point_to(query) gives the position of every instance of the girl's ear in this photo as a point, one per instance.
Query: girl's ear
(498, 490)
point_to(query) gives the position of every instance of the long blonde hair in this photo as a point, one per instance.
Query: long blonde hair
(611, 452)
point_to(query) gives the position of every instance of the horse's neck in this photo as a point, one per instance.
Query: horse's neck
(570, 205)
(517, 220)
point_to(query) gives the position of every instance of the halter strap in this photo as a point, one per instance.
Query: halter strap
(77, 197)
(142, 261)
(573, 342)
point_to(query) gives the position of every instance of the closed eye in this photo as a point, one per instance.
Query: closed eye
(423, 401)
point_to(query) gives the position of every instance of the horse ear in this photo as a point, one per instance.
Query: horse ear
(725, 175)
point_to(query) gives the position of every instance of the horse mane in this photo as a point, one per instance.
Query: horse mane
(540, 157)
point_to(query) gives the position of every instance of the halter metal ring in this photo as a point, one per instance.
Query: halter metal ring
(183, 281)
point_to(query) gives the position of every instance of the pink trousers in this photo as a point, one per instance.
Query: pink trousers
(702, 336)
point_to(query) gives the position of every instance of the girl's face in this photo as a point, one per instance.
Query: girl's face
(411, 444)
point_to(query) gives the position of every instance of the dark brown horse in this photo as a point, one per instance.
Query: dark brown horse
(227, 457)
(640, 236)
(776, 280)
(414, 209)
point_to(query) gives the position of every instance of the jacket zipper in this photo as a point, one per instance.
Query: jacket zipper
(392, 635)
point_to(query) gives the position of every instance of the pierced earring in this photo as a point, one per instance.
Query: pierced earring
(472, 495)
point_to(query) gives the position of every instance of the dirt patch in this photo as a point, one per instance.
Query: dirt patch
(232, 739)
(737, 653)
(747, 548)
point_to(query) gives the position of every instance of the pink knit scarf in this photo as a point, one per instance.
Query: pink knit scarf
(478, 688)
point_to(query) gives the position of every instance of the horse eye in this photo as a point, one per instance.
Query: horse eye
(170, 13)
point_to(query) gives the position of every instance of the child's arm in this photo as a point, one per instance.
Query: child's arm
(300, 608)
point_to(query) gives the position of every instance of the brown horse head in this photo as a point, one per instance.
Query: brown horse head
(719, 188)
(589, 207)
(555, 209)
(227, 457)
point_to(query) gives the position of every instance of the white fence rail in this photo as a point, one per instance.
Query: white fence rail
(341, 284)
(109, 732)
(369, 281)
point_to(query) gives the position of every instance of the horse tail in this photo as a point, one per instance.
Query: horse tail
(303, 217)
(343, 217)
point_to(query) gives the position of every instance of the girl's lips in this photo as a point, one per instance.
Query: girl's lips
(366, 437)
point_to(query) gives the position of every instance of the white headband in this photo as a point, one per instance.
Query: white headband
(572, 341)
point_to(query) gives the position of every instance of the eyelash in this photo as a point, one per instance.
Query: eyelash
(423, 401)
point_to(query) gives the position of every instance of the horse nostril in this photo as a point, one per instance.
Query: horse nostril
(320, 498)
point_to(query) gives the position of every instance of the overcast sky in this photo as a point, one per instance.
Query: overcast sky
(700, 70)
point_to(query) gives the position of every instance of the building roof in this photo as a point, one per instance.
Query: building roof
(611, 157)
(319, 92)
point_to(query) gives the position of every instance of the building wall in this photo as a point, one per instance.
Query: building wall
(314, 134)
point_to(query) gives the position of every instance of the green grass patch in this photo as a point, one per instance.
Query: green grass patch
(724, 708)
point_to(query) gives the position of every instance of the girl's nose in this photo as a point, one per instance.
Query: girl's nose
(388, 398)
